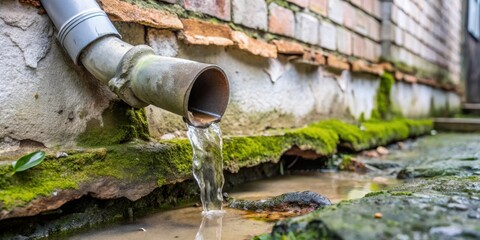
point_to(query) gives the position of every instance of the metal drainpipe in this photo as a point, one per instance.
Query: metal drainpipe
(198, 92)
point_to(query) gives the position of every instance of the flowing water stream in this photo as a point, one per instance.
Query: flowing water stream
(208, 165)
(208, 172)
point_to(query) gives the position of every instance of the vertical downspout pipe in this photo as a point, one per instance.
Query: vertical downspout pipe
(196, 91)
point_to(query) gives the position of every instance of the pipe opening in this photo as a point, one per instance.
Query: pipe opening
(208, 98)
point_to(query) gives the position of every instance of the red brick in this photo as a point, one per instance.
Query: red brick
(349, 16)
(358, 3)
(319, 6)
(368, 5)
(409, 78)
(369, 52)
(286, 47)
(344, 41)
(373, 26)
(335, 10)
(203, 33)
(281, 20)
(125, 12)
(337, 63)
(377, 9)
(358, 45)
(399, 75)
(312, 57)
(387, 66)
(362, 66)
(255, 47)
(301, 3)
(216, 8)
(361, 22)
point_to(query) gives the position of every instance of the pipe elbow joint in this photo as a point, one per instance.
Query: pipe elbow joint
(199, 92)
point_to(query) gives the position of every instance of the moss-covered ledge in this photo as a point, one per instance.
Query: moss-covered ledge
(135, 169)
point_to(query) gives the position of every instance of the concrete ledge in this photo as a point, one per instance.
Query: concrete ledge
(136, 169)
(457, 124)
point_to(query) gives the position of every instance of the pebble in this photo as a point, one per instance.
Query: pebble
(382, 150)
(380, 180)
(473, 215)
(449, 231)
(457, 206)
(371, 154)
(61, 154)
(168, 136)
(378, 215)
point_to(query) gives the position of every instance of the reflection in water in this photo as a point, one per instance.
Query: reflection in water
(211, 226)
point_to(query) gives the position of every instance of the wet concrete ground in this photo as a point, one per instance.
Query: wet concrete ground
(440, 199)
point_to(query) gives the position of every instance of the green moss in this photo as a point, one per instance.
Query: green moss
(345, 163)
(323, 141)
(53, 174)
(171, 8)
(383, 103)
(401, 193)
(372, 194)
(281, 3)
(402, 66)
(347, 133)
(120, 123)
(419, 127)
(170, 161)
(252, 150)
(374, 132)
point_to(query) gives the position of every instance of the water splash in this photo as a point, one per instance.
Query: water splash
(208, 164)
(211, 226)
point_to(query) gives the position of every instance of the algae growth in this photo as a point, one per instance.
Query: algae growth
(383, 100)
(170, 161)
(120, 124)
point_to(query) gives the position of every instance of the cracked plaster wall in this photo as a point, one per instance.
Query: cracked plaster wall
(47, 99)
(44, 97)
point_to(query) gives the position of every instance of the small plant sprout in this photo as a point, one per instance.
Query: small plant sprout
(28, 161)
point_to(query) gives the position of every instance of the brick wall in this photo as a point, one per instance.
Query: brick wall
(426, 34)
(419, 37)
(417, 40)
(322, 24)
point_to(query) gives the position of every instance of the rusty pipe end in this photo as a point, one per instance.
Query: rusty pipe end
(196, 91)
(207, 99)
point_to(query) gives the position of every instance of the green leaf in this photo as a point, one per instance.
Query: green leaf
(28, 161)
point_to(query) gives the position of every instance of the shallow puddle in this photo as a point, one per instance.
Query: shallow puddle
(186, 223)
